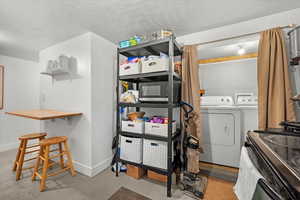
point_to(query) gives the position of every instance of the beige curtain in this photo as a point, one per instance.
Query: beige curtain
(274, 88)
(190, 94)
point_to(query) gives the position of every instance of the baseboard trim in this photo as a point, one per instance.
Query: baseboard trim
(7, 147)
(101, 166)
(92, 171)
(82, 168)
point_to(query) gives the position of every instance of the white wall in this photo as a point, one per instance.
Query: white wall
(103, 102)
(228, 78)
(250, 26)
(91, 92)
(70, 94)
(21, 92)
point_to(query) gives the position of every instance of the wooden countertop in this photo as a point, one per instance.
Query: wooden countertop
(43, 114)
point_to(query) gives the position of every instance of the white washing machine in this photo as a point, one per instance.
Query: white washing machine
(224, 126)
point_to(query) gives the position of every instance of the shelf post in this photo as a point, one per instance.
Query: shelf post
(170, 115)
(118, 113)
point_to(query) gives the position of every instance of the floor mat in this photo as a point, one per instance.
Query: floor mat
(126, 194)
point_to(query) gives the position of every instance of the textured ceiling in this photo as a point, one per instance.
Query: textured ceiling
(28, 26)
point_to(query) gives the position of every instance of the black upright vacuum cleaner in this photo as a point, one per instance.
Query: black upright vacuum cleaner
(194, 185)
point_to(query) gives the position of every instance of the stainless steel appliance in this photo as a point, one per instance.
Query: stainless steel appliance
(158, 91)
(294, 39)
(264, 192)
(276, 155)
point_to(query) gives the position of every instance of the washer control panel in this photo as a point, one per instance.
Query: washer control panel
(216, 101)
(245, 99)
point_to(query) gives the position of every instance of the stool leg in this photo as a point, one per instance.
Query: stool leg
(70, 161)
(21, 160)
(37, 164)
(42, 153)
(45, 167)
(18, 156)
(62, 156)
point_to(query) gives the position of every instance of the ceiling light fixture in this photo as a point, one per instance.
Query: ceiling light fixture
(241, 51)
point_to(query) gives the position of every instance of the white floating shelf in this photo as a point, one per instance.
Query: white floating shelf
(54, 73)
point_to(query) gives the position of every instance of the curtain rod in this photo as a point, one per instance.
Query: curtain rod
(240, 36)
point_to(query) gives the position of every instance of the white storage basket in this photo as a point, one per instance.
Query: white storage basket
(133, 127)
(155, 153)
(158, 129)
(155, 65)
(130, 68)
(131, 149)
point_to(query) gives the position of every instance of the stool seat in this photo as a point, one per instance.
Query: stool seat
(33, 136)
(53, 140)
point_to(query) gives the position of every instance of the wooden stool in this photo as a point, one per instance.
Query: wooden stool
(18, 164)
(44, 156)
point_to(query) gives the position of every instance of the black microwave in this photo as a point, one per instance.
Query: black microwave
(158, 91)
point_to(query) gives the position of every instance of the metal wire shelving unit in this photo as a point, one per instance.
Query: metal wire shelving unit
(170, 47)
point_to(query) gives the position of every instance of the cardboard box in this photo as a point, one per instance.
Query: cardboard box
(155, 176)
(134, 171)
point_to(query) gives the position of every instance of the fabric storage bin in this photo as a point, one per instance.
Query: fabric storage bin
(133, 127)
(131, 149)
(155, 153)
(130, 68)
(158, 129)
(155, 65)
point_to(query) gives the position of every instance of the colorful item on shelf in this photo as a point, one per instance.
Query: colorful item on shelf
(125, 85)
(158, 119)
(166, 120)
(133, 41)
(137, 39)
(133, 59)
(178, 67)
(161, 34)
(124, 44)
(130, 96)
(135, 115)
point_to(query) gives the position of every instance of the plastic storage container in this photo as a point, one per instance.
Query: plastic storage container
(155, 153)
(130, 68)
(158, 129)
(133, 126)
(155, 65)
(131, 149)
